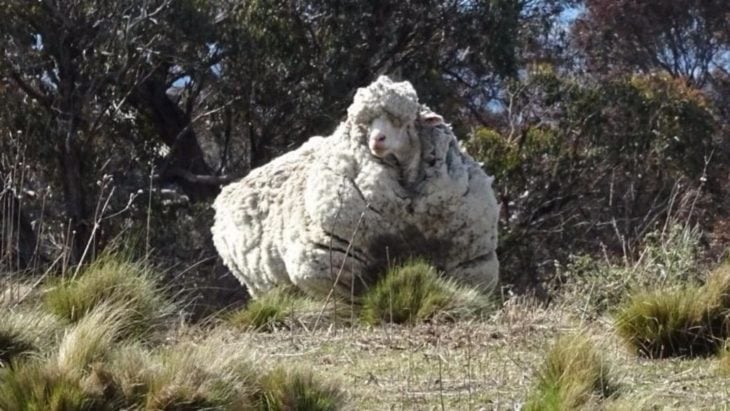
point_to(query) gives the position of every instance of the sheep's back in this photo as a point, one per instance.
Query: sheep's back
(252, 215)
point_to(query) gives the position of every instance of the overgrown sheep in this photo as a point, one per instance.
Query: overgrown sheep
(388, 184)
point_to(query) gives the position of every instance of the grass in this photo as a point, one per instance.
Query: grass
(114, 279)
(573, 376)
(681, 321)
(413, 292)
(270, 311)
(668, 258)
(24, 331)
(53, 382)
(92, 369)
(298, 390)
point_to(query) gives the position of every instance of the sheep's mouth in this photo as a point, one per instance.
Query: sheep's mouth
(378, 150)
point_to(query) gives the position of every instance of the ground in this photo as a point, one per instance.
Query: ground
(486, 364)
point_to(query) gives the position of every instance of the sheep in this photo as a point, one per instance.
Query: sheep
(339, 209)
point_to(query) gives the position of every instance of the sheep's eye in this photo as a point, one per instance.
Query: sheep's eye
(394, 120)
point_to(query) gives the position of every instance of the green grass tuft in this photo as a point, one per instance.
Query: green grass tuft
(36, 386)
(270, 311)
(678, 322)
(413, 293)
(285, 308)
(114, 279)
(573, 376)
(295, 390)
(26, 331)
(55, 382)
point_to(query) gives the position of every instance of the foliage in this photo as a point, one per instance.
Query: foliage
(684, 38)
(92, 369)
(413, 292)
(573, 375)
(680, 321)
(111, 279)
(588, 167)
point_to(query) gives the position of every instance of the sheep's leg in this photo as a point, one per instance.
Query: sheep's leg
(321, 269)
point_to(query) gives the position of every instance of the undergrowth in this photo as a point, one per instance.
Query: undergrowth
(668, 258)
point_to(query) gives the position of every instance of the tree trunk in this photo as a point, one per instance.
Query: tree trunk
(18, 239)
(73, 189)
(174, 129)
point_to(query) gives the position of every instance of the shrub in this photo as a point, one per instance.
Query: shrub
(573, 375)
(295, 390)
(681, 321)
(113, 279)
(413, 292)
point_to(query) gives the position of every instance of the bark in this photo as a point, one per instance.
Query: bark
(18, 239)
(174, 129)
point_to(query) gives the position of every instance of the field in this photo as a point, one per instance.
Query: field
(111, 339)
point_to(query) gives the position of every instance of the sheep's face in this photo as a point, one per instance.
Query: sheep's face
(388, 135)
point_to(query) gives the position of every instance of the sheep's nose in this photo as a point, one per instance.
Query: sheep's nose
(380, 138)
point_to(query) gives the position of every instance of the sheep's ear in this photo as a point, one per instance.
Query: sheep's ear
(432, 119)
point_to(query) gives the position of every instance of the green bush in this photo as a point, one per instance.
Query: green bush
(55, 382)
(574, 375)
(413, 292)
(37, 386)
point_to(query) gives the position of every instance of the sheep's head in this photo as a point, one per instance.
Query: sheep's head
(388, 135)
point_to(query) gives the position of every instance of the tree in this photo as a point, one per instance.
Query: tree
(85, 65)
(588, 167)
(684, 38)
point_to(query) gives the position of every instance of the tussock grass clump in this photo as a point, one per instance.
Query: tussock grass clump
(37, 386)
(286, 307)
(115, 279)
(413, 292)
(184, 376)
(682, 321)
(92, 370)
(270, 310)
(298, 390)
(573, 376)
(55, 382)
(24, 331)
